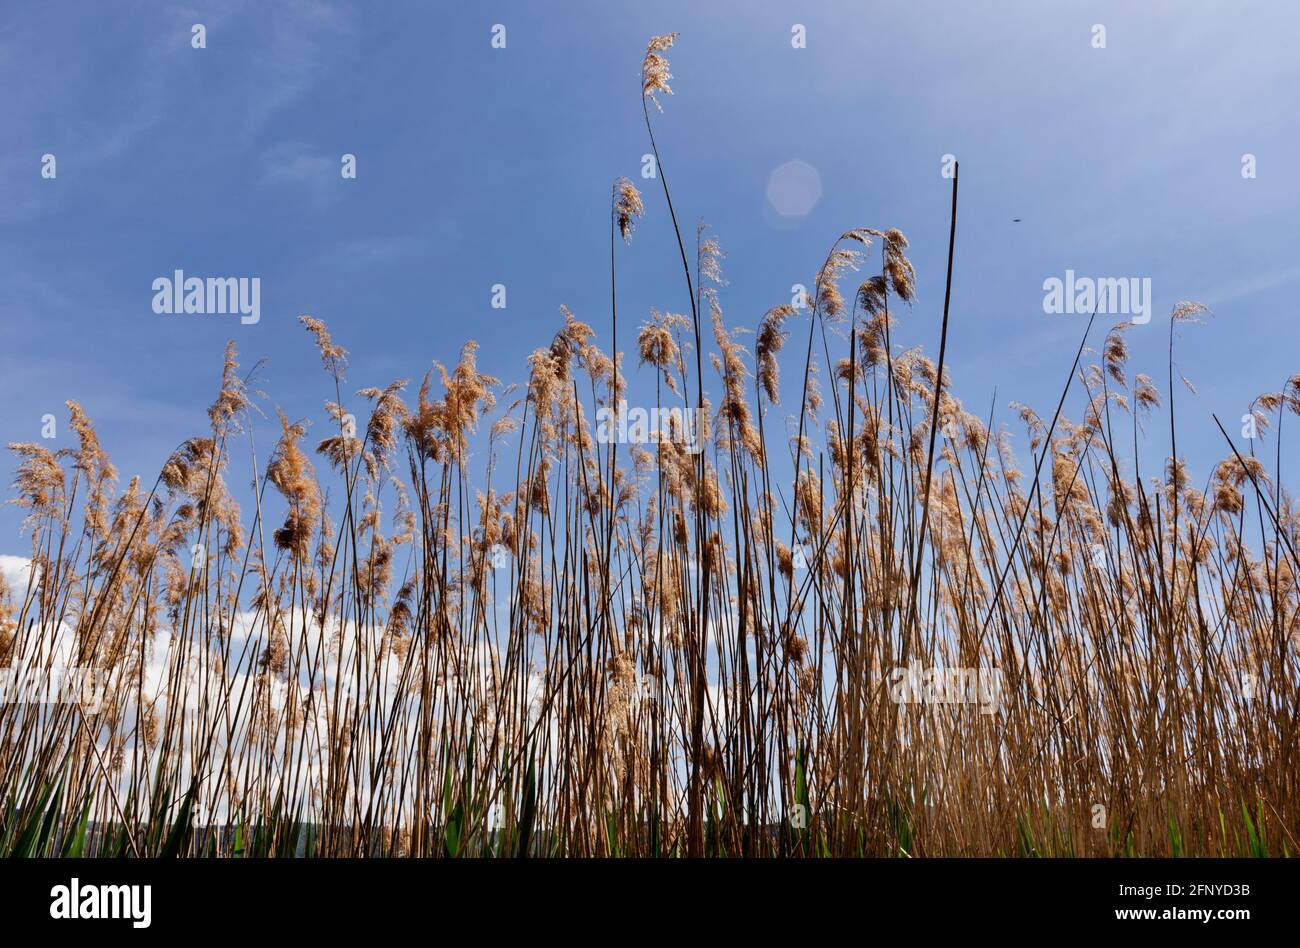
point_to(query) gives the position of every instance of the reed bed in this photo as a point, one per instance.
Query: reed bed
(580, 647)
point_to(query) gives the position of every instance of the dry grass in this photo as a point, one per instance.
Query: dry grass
(344, 671)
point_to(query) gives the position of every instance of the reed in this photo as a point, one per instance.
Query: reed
(579, 648)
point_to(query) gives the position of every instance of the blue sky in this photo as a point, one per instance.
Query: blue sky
(479, 166)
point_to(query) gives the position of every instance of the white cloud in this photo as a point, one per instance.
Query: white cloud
(15, 570)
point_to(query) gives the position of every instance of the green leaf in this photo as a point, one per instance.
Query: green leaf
(31, 833)
(76, 843)
(1252, 836)
(528, 809)
(179, 836)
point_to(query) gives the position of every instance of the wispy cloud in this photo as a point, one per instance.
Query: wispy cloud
(369, 251)
(289, 61)
(1252, 285)
(299, 165)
